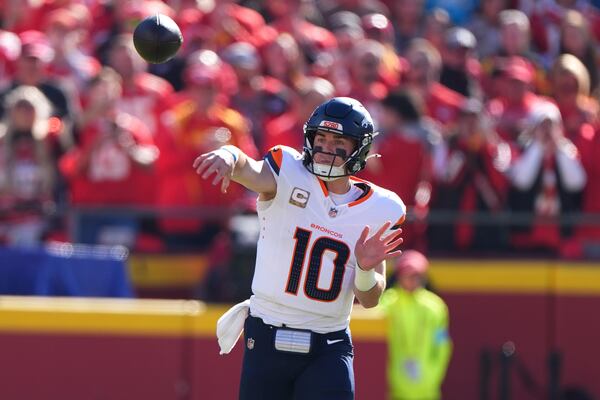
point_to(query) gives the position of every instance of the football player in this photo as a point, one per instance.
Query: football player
(324, 239)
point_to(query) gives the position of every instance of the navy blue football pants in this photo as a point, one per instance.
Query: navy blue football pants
(325, 373)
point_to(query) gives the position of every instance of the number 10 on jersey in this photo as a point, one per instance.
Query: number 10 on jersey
(315, 261)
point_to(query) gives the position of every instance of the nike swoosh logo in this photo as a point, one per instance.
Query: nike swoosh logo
(334, 341)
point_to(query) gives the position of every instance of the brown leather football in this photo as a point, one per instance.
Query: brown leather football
(157, 38)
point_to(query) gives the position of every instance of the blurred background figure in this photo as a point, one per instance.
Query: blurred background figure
(585, 243)
(29, 148)
(423, 79)
(113, 165)
(408, 18)
(406, 144)
(258, 98)
(576, 38)
(367, 82)
(548, 18)
(511, 108)
(485, 25)
(347, 28)
(287, 129)
(10, 49)
(437, 24)
(469, 178)
(547, 179)
(31, 69)
(284, 60)
(570, 89)
(379, 28)
(460, 67)
(143, 94)
(72, 66)
(290, 16)
(515, 41)
(197, 120)
(419, 346)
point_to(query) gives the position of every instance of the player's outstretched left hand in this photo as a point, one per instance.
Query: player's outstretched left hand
(219, 162)
(371, 251)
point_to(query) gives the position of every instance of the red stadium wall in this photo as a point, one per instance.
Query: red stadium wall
(148, 349)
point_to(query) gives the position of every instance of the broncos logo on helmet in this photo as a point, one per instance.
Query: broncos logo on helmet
(343, 116)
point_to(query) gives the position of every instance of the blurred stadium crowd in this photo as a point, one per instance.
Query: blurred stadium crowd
(486, 109)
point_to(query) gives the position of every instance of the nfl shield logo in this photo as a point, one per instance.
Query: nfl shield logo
(250, 344)
(333, 212)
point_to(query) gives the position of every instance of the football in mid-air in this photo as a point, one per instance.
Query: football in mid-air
(157, 38)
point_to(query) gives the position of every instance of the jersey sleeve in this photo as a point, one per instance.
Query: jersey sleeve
(279, 159)
(274, 158)
(397, 212)
(396, 225)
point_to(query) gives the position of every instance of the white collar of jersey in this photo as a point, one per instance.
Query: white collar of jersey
(353, 194)
(364, 186)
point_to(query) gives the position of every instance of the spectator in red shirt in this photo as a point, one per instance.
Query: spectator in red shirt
(225, 22)
(587, 236)
(318, 45)
(515, 41)
(196, 121)
(20, 16)
(284, 61)
(377, 27)
(258, 98)
(367, 83)
(287, 129)
(512, 108)
(143, 93)
(405, 143)
(10, 49)
(468, 171)
(71, 65)
(112, 166)
(425, 63)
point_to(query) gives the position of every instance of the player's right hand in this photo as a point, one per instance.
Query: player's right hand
(220, 162)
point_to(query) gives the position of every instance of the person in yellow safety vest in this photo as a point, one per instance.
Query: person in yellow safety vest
(419, 347)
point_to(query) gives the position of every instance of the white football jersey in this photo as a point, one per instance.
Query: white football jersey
(304, 276)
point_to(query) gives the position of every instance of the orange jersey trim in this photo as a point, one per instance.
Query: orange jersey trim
(277, 155)
(362, 199)
(323, 187)
(399, 222)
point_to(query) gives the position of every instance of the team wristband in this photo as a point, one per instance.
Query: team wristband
(235, 156)
(364, 280)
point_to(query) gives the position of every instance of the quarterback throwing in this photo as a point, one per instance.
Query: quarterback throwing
(324, 239)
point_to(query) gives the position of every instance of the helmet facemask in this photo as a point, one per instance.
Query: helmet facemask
(329, 171)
